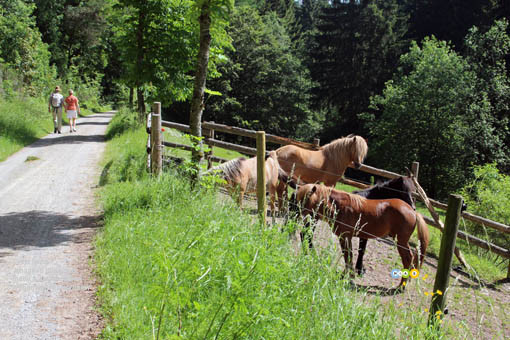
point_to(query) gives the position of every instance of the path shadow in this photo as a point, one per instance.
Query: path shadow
(38, 228)
(102, 115)
(92, 123)
(69, 138)
(375, 289)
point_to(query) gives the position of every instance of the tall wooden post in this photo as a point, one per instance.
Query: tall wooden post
(445, 255)
(415, 169)
(261, 176)
(209, 135)
(156, 145)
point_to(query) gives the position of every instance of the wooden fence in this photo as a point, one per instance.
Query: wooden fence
(209, 129)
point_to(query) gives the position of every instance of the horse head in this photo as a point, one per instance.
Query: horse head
(359, 150)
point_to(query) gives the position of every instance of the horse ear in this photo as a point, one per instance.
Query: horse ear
(409, 173)
(314, 189)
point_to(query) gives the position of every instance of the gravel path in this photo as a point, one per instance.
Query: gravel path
(47, 222)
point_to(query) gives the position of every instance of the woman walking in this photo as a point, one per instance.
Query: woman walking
(72, 109)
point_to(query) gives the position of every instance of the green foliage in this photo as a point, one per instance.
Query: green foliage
(264, 85)
(486, 53)
(21, 48)
(432, 113)
(126, 153)
(357, 46)
(124, 120)
(488, 195)
(22, 122)
(158, 41)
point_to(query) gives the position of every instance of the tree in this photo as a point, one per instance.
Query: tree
(486, 53)
(358, 44)
(431, 112)
(21, 47)
(264, 85)
(156, 41)
(74, 31)
(210, 10)
(450, 20)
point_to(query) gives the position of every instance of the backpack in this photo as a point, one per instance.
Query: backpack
(55, 100)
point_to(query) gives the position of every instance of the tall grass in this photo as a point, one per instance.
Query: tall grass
(178, 263)
(22, 122)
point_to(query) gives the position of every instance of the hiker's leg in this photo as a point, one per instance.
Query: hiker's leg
(59, 119)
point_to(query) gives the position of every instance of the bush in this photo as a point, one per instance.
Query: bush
(488, 195)
(126, 119)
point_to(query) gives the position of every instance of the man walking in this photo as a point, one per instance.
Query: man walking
(55, 104)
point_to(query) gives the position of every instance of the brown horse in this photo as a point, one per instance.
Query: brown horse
(326, 165)
(241, 174)
(354, 215)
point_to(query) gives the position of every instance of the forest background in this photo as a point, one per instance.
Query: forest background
(422, 80)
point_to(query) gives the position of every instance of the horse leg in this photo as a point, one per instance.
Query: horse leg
(281, 190)
(361, 252)
(240, 198)
(272, 191)
(404, 249)
(346, 244)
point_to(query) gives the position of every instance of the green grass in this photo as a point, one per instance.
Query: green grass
(22, 122)
(175, 262)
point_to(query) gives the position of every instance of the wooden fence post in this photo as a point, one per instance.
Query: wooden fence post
(261, 176)
(317, 142)
(208, 155)
(415, 169)
(156, 145)
(445, 256)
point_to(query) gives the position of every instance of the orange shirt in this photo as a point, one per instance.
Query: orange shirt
(72, 102)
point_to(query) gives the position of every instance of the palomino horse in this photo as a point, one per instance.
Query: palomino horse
(354, 215)
(399, 187)
(241, 173)
(326, 165)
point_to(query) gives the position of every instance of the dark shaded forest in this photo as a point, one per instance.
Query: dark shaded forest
(421, 80)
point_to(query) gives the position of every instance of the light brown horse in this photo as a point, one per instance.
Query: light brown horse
(354, 215)
(326, 165)
(241, 174)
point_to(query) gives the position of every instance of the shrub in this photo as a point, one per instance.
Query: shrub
(488, 195)
(126, 119)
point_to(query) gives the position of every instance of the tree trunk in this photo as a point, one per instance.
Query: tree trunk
(139, 63)
(141, 103)
(131, 95)
(197, 101)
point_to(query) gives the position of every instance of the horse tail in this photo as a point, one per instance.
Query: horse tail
(230, 169)
(423, 236)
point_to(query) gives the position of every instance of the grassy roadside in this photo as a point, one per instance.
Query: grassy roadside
(176, 263)
(22, 122)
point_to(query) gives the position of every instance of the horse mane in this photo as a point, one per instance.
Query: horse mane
(231, 169)
(353, 200)
(341, 151)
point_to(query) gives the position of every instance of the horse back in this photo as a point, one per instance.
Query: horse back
(378, 218)
(308, 165)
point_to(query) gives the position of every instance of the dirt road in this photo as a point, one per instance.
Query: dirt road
(47, 221)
